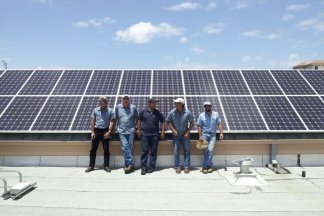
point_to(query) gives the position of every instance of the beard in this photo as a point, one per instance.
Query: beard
(207, 109)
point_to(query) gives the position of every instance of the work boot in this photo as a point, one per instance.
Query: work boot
(89, 169)
(107, 169)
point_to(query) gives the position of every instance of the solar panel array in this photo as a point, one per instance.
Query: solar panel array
(247, 100)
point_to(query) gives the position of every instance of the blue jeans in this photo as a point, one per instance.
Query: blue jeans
(185, 143)
(209, 151)
(127, 141)
(149, 143)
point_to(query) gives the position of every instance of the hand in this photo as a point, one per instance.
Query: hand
(138, 133)
(93, 135)
(186, 135)
(175, 133)
(107, 135)
(201, 138)
(162, 135)
(221, 136)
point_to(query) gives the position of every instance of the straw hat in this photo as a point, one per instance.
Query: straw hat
(201, 144)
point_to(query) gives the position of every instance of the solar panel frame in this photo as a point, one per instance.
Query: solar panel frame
(72, 82)
(20, 114)
(104, 82)
(136, 82)
(12, 81)
(230, 82)
(4, 101)
(315, 78)
(41, 82)
(292, 83)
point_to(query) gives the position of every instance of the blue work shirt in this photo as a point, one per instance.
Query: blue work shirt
(102, 118)
(208, 123)
(150, 122)
(180, 120)
(126, 117)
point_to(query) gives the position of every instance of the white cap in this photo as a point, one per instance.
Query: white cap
(179, 100)
(125, 96)
(207, 103)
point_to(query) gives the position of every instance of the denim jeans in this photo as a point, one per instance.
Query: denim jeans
(127, 141)
(185, 143)
(209, 151)
(149, 143)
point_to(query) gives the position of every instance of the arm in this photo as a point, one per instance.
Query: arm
(139, 128)
(186, 135)
(200, 133)
(220, 127)
(162, 130)
(174, 131)
(92, 126)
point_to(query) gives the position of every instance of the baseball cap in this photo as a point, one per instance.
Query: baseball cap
(152, 100)
(207, 103)
(179, 100)
(124, 96)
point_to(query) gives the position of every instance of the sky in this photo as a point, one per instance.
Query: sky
(160, 34)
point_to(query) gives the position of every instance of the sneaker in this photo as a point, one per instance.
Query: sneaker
(178, 170)
(150, 170)
(143, 171)
(107, 169)
(204, 170)
(129, 169)
(210, 170)
(187, 170)
(89, 169)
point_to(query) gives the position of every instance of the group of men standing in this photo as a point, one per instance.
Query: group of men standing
(149, 125)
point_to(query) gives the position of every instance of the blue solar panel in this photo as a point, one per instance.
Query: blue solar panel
(195, 105)
(4, 101)
(104, 82)
(21, 113)
(12, 80)
(242, 114)
(72, 82)
(316, 79)
(199, 82)
(82, 119)
(261, 82)
(279, 114)
(136, 82)
(230, 82)
(41, 83)
(291, 82)
(57, 114)
(167, 82)
(311, 110)
(165, 105)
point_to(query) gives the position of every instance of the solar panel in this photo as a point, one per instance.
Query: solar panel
(4, 102)
(12, 80)
(1, 71)
(311, 109)
(104, 82)
(199, 82)
(57, 114)
(261, 82)
(316, 79)
(242, 114)
(21, 113)
(230, 82)
(195, 105)
(82, 119)
(291, 82)
(279, 114)
(41, 82)
(72, 82)
(136, 82)
(165, 105)
(167, 82)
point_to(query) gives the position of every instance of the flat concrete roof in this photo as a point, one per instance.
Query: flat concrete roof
(70, 191)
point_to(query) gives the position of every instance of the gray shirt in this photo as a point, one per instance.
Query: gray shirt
(126, 118)
(180, 120)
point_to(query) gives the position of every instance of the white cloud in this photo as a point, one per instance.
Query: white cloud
(214, 28)
(297, 7)
(246, 58)
(197, 49)
(259, 34)
(93, 22)
(183, 39)
(243, 4)
(191, 6)
(292, 56)
(185, 6)
(144, 32)
(287, 17)
(316, 23)
(43, 1)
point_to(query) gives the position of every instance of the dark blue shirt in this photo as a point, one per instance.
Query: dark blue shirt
(150, 122)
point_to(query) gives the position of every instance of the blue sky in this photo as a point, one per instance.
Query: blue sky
(160, 34)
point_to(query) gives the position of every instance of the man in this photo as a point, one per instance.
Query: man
(207, 123)
(148, 131)
(102, 125)
(127, 116)
(181, 122)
